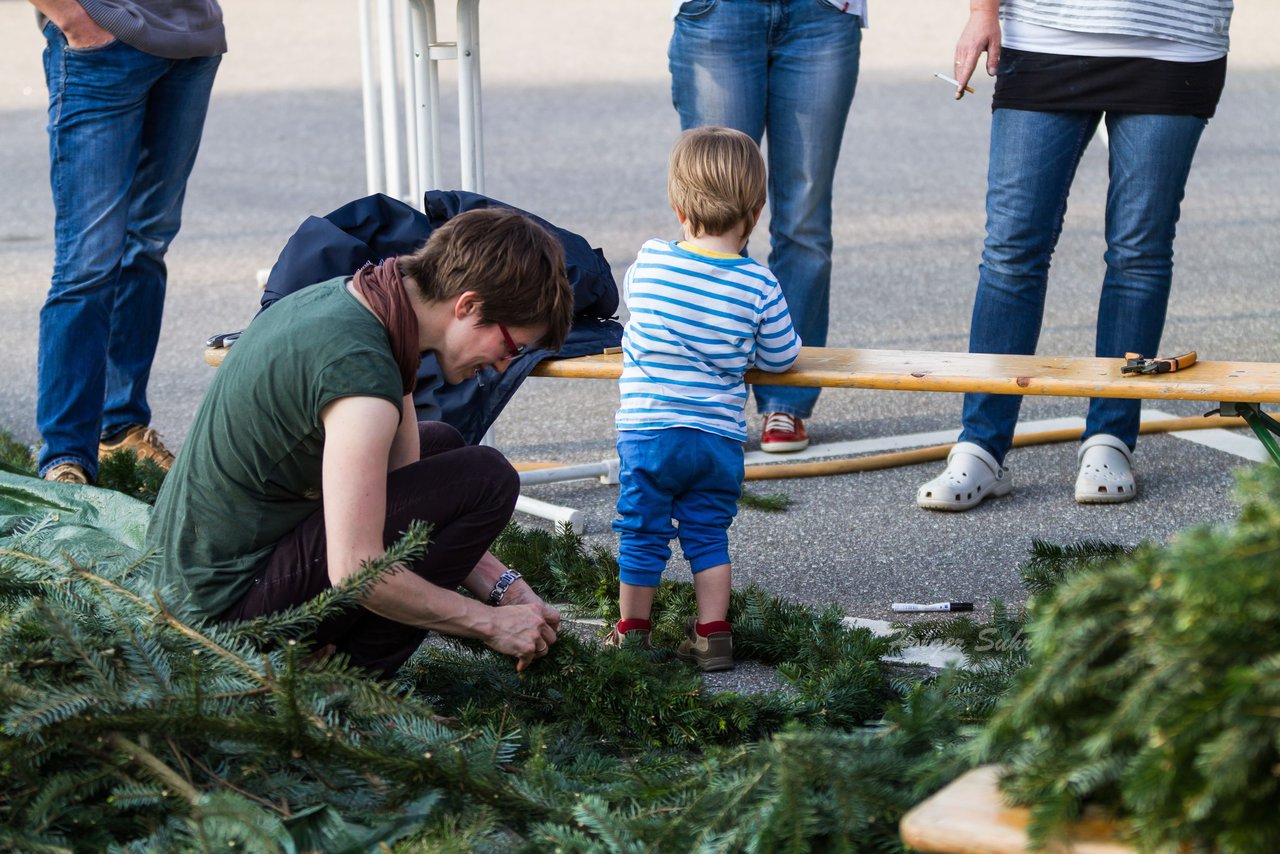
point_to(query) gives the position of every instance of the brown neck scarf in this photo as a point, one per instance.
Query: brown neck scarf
(383, 289)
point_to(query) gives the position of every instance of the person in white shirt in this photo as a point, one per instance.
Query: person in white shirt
(1153, 72)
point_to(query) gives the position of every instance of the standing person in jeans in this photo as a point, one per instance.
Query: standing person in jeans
(129, 84)
(1153, 72)
(306, 458)
(701, 316)
(783, 71)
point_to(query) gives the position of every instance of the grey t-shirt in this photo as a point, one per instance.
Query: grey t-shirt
(171, 29)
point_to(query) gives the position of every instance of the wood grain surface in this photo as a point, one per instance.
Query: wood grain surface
(912, 370)
(968, 816)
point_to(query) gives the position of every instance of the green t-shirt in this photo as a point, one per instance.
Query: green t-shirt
(249, 471)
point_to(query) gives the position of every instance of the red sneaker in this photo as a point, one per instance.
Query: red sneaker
(783, 433)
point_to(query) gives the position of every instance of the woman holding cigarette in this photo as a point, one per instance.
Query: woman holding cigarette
(1153, 72)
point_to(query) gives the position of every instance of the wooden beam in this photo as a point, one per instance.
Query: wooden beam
(923, 370)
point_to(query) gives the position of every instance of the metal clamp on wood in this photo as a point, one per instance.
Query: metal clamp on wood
(1135, 364)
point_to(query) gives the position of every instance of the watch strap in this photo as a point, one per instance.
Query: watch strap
(500, 586)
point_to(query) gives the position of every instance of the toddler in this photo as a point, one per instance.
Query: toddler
(702, 314)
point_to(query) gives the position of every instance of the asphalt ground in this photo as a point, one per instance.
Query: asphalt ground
(577, 125)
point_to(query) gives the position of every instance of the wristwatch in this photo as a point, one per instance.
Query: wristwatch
(500, 587)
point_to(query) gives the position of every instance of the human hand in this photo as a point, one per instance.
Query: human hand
(981, 34)
(523, 631)
(520, 593)
(80, 30)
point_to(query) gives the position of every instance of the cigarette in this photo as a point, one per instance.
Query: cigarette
(954, 82)
(935, 606)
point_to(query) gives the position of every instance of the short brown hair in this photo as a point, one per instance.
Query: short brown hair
(716, 178)
(513, 264)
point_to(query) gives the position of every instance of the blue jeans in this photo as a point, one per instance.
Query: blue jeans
(690, 476)
(124, 127)
(1032, 163)
(784, 70)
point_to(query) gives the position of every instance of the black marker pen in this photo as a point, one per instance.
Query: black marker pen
(936, 606)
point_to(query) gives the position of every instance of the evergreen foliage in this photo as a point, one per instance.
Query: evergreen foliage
(997, 650)
(773, 502)
(122, 471)
(125, 472)
(1146, 679)
(1154, 688)
(15, 456)
(128, 724)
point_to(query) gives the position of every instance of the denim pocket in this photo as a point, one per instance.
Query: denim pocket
(839, 8)
(88, 51)
(51, 32)
(697, 8)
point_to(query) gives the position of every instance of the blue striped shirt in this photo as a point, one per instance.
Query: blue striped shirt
(698, 323)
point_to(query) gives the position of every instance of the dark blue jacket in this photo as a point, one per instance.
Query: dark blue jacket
(377, 227)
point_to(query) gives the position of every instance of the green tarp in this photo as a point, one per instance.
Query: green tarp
(79, 521)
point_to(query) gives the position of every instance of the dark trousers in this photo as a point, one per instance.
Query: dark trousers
(466, 492)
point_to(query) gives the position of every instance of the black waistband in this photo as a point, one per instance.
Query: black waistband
(1051, 82)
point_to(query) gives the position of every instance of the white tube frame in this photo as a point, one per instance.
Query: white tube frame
(406, 119)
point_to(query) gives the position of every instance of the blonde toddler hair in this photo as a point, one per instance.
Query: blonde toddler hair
(716, 178)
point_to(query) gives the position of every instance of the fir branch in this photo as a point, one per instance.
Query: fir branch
(1142, 667)
(774, 502)
(125, 472)
(297, 621)
(154, 766)
(15, 456)
(184, 756)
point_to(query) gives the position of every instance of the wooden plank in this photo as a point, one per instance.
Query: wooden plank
(922, 370)
(968, 816)
(911, 370)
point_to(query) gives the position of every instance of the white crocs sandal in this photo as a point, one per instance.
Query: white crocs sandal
(1106, 471)
(971, 476)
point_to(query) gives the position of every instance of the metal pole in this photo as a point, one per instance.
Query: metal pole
(470, 133)
(390, 114)
(424, 115)
(369, 97)
(406, 49)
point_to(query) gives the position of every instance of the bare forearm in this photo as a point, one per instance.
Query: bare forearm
(980, 35)
(407, 598)
(484, 576)
(75, 23)
(58, 10)
(482, 579)
(522, 630)
(362, 430)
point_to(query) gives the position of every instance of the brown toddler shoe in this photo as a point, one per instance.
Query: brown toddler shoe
(711, 652)
(628, 630)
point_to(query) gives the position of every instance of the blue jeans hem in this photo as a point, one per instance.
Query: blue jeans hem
(108, 432)
(785, 410)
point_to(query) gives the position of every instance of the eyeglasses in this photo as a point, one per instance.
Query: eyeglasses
(513, 352)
